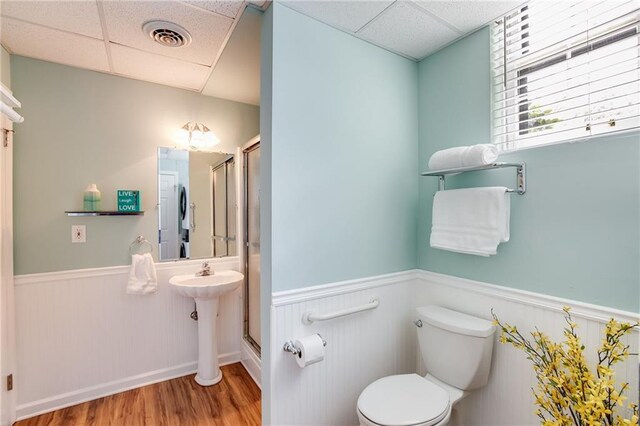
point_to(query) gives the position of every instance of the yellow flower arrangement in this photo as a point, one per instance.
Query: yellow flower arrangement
(568, 392)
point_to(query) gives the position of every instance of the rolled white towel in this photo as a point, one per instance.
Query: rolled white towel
(10, 113)
(464, 156)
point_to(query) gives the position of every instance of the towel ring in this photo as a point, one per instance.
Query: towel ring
(139, 242)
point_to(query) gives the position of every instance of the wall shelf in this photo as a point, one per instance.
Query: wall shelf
(521, 180)
(102, 213)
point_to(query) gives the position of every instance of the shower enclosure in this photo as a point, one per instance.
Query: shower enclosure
(224, 200)
(251, 170)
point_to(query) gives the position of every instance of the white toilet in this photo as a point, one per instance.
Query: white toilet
(456, 349)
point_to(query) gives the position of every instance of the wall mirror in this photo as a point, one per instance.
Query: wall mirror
(197, 202)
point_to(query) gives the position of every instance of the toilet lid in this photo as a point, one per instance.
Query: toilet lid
(404, 400)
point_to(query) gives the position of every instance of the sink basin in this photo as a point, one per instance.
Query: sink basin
(206, 291)
(208, 286)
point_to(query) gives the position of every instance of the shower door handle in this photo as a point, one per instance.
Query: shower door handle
(192, 221)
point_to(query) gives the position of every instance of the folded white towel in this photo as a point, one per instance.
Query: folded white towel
(464, 156)
(10, 113)
(471, 220)
(142, 276)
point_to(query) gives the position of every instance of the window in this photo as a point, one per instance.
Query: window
(565, 70)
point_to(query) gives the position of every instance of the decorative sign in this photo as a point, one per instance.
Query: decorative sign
(128, 201)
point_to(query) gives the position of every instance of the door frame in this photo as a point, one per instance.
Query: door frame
(8, 398)
(176, 176)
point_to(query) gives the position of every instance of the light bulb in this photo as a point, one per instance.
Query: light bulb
(211, 139)
(197, 136)
(182, 137)
(197, 139)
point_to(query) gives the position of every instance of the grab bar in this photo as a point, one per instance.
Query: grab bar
(309, 317)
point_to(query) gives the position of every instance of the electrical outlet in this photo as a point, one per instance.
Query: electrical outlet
(78, 234)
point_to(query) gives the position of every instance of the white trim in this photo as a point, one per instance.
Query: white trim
(230, 262)
(8, 354)
(6, 97)
(552, 303)
(289, 297)
(251, 362)
(626, 133)
(579, 309)
(254, 140)
(69, 399)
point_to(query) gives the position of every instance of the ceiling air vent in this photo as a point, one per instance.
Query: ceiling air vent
(167, 34)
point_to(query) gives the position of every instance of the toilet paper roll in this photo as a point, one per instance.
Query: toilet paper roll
(310, 350)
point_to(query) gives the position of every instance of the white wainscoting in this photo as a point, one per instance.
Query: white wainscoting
(507, 399)
(360, 348)
(80, 336)
(251, 362)
(365, 346)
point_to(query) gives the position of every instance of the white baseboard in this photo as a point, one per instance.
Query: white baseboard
(251, 362)
(69, 399)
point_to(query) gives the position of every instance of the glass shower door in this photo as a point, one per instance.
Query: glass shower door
(224, 208)
(220, 204)
(252, 248)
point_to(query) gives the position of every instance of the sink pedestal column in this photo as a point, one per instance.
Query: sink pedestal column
(208, 370)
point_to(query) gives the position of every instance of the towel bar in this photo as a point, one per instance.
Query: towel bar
(140, 241)
(521, 174)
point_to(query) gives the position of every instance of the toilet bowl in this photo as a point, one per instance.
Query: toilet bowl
(456, 349)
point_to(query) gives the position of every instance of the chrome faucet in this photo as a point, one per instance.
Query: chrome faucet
(205, 271)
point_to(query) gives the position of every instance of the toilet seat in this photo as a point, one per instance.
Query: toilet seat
(404, 400)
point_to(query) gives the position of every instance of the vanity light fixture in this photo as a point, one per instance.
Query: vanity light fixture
(198, 137)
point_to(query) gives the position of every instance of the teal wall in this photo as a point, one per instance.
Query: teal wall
(575, 233)
(5, 67)
(85, 127)
(266, 105)
(343, 166)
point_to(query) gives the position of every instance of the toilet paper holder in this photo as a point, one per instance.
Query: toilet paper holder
(290, 347)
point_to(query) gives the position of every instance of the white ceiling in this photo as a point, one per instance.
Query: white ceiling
(236, 76)
(107, 36)
(413, 29)
(223, 59)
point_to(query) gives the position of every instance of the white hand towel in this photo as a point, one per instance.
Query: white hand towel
(464, 156)
(471, 220)
(142, 276)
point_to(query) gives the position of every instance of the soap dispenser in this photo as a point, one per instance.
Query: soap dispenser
(92, 198)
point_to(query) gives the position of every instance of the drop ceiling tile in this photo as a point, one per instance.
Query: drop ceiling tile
(80, 17)
(158, 69)
(124, 20)
(348, 15)
(34, 41)
(236, 75)
(228, 8)
(407, 29)
(468, 15)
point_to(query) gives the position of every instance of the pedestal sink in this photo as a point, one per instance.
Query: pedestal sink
(206, 290)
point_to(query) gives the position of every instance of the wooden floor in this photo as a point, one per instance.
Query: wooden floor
(235, 401)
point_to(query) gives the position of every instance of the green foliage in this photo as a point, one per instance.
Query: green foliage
(540, 123)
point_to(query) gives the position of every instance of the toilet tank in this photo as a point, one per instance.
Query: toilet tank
(456, 348)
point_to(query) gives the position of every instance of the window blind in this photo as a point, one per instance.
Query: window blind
(565, 70)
